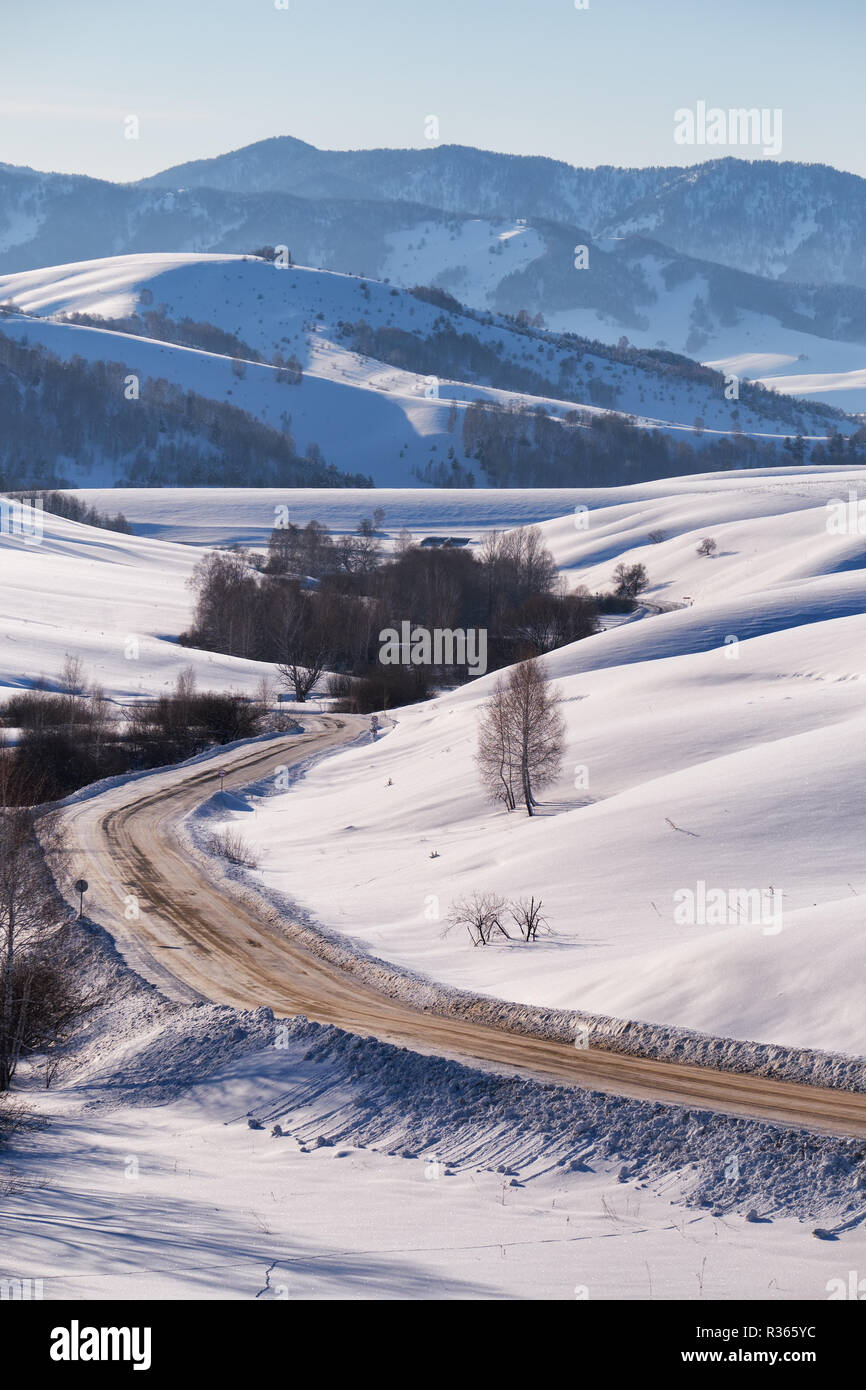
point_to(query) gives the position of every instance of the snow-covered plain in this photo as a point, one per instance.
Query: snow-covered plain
(717, 748)
(246, 516)
(227, 516)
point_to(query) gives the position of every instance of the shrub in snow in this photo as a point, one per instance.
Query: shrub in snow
(526, 915)
(480, 914)
(230, 844)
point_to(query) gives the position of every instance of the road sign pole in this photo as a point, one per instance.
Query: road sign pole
(81, 888)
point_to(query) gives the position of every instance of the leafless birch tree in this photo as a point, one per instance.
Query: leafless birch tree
(521, 736)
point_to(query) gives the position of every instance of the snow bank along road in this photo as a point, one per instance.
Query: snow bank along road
(196, 939)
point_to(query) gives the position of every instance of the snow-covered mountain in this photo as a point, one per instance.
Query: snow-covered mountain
(799, 222)
(744, 265)
(452, 178)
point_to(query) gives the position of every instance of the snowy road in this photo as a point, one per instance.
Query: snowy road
(197, 939)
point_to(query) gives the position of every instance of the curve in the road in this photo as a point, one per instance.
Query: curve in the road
(199, 940)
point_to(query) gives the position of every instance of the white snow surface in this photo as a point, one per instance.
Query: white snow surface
(192, 1151)
(690, 758)
(720, 744)
(117, 602)
(399, 1177)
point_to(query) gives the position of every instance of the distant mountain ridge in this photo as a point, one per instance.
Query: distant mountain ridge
(779, 219)
(451, 178)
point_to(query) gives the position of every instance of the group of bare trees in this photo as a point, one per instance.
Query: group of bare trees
(319, 601)
(482, 914)
(518, 566)
(312, 552)
(74, 735)
(521, 736)
(40, 999)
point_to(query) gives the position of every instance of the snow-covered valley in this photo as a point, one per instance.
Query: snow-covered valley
(281, 428)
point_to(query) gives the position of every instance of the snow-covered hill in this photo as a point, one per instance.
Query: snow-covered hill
(387, 375)
(712, 752)
(501, 235)
(116, 602)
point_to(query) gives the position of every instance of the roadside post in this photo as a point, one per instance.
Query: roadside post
(81, 886)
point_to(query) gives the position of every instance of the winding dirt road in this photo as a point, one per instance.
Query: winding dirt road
(197, 940)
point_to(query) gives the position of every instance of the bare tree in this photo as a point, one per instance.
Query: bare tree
(536, 565)
(71, 684)
(184, 692)
(366, 545)
(707, 546)
(536, 728)
(521, 736)
(100, 717)
(526, 916)
(37, 996)
(346, 554)
(480, 914)
(72, 675)
(305, 640)
(316, 549)
(265, 693)
(496, 752)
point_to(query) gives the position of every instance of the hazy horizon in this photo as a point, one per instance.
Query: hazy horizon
(594, 86)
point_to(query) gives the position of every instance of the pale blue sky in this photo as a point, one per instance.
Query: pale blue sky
(598, 86)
